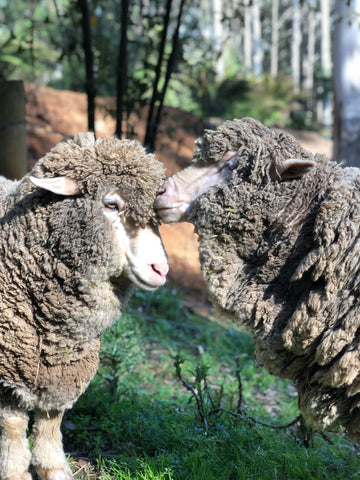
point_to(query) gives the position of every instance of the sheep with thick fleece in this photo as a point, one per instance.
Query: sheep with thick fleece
(77, 235)
(279, 247)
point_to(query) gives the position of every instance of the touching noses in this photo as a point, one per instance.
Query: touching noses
(161, 190)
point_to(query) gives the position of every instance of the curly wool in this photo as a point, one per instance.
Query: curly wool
(122, 162)
(56, 262)
(283, 258)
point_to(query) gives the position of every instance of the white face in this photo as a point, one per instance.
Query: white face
(176, 196)
(141, 253)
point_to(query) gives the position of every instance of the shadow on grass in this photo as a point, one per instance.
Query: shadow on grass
(148, 427)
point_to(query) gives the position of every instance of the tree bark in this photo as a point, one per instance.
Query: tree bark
(89, 63)
(122, 68)
(347, 84)
(257, 42)
(218, 38)
(149, 141)
(247, 38)
(310, 57)
(326, 64)
(274, 60)
(13, 162)
(170, 66)
(295, 46)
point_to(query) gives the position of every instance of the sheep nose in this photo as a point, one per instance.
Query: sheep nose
(160, 191)
(160, 268)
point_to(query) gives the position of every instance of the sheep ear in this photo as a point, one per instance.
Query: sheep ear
(60, 185)
(291, 168)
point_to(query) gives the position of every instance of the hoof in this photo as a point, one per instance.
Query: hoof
(23, 476)
(55, 474)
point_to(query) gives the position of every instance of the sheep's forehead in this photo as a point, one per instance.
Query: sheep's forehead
(110, 157)
(123, 164)
(248, 136)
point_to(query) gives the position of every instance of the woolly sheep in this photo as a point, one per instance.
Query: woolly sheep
(279, 248)
(77, 235)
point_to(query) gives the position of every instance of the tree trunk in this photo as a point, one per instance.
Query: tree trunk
(257, 42)
(295, 46)
(326, 64)
(274, 60)
(247, 38)
(149, 141)
(89, 63)
(218, 39)
(310, 57)
(347, 84)
(170, 66)
(122, 68)
(13, 162)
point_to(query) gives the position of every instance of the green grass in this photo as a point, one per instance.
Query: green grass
(138, 421)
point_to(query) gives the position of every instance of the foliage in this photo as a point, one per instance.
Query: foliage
(268, 100)
(45, 45)
(149, 426)
(28, 42)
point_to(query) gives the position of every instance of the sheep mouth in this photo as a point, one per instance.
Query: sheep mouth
(148, 280)
(174, 213)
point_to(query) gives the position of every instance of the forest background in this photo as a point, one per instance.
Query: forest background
(214, 58)
(179, 394)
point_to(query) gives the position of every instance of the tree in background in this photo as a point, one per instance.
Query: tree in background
(122, 67)
(89, 63)
(200, 56)
(149, 141)
(347, 83)
(152, 124)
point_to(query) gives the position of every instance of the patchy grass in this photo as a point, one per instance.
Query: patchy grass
(140, 418)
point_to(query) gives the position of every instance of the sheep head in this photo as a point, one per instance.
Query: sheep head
(102, 217)
(243, 149)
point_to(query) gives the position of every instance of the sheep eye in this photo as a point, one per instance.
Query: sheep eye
(111, 205)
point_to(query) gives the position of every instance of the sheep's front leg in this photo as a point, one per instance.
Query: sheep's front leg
(48, 454)
(15, 454)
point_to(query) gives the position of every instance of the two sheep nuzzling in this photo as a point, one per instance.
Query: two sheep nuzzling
(77, 235)
(279, 246)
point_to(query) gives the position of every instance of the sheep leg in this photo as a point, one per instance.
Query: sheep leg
(15, 454)
(48, 454)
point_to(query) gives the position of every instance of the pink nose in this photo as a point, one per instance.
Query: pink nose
(160, 268)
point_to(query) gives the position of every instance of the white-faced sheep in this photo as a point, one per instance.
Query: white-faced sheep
(77, 234)
(279, 247)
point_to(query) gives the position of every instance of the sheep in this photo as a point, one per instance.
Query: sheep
(78, 234)
(279, 248)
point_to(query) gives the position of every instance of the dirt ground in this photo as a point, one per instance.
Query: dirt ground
(53, 115)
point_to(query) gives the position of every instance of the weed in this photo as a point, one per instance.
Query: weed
(146, 423)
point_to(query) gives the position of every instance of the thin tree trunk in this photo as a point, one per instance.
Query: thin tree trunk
(12, 130)
(326, 64)
(347, 84)
(295, 46)
(257, 43)
(274, 61)
(218, 37)
(310, 57)
(247, 38)
(149, 141)
(89, 63)
(122, 68)
(170, 66)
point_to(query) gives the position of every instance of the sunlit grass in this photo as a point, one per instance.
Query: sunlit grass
(138, 421)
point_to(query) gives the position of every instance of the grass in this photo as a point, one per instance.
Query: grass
(140, 417)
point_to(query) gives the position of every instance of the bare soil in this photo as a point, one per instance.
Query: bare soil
(53, 115)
